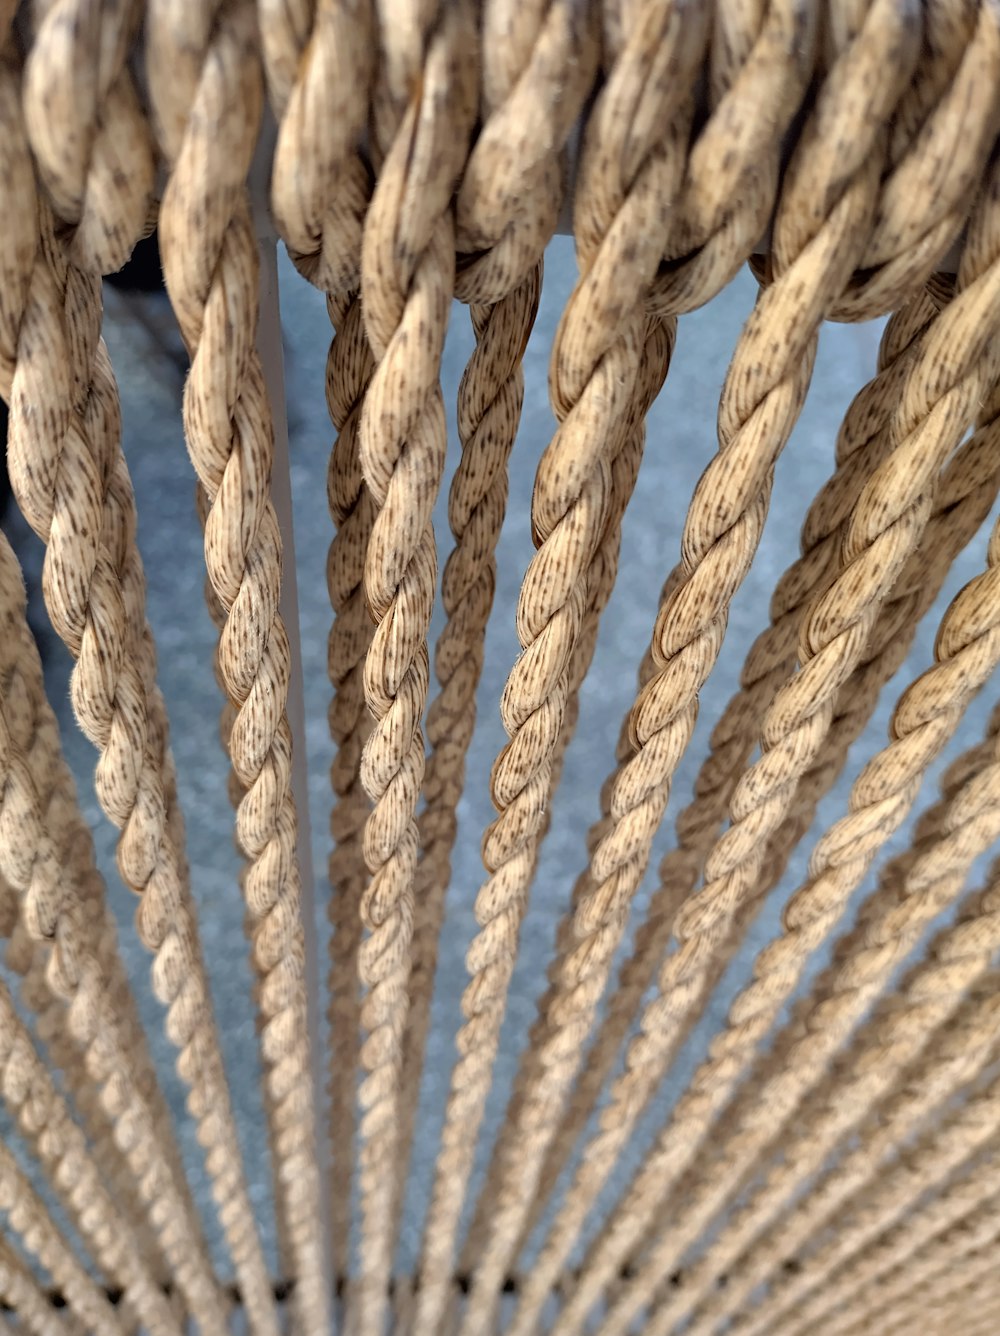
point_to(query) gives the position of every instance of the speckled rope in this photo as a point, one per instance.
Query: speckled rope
(70, 482)
(423, 109)
(319, 61)
(537, 67)
(595, 362)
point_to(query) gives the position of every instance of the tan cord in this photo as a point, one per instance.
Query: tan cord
(959, 1301)
(833, 1172)
(942, 128)
(348, 371)
(34, 730)
(930, 419)
(68, 477)
(884, 1229)
(595, 362)
(956, 1057)
(653, 364)
(879, 1054)
(20, 1292)
(949, 1268)
(861, 443)
(206, 95)
(28, 1219)
(319, 65)
(47, 1123)
(52, 1031)
(91, 142)
(892, 926)
(424, 108)
(752, 433)
(537, 67)
(969, 488)
(29, 861)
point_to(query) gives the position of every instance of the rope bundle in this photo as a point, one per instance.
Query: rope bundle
(830, 1160)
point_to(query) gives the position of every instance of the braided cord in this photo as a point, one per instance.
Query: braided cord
(319, 64)
(423, 113)
(770, 660)
(595, 364)
(874, 1235)
(20, 1291)
(537, 66)
(206, 96)
(955, 1058)
(928, 424)
(890, 922)
(71, 484)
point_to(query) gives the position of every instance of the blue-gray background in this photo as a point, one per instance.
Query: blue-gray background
(681, 440)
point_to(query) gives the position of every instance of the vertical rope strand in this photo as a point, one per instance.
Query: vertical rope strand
(20, 1292)
(538, 65)
(771, 659)
(319, 60)
(595, 363)
(928, 424)
(423, 113)
(207, 98)
(70, 482)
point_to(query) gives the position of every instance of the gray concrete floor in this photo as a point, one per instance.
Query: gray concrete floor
(681, 440)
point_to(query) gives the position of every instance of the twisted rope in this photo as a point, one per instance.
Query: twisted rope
(71, 484)
(877, 1224)
(20, 1292)
(595, 363)
(319, 64)
(424, 106)
(537, 67)
(205, 83)
(925, 1002)
(861, 443)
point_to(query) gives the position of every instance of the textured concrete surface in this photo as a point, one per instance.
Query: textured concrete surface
(681, 441)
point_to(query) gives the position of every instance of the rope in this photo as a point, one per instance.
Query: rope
(423, 111)
(20, 1291)
(594, 367)
(829, 1169)
(71, 485)
(319, 69)
(209, 258)
(895, 501)
(861, 442)
(537, 66)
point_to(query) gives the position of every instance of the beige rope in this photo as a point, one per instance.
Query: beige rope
(51, 1029)
(861, 443)
(955, 1058)
(319, 68)
(44, 1119)
(71, 484)
(959, 515)
(537, 67)
(813, 276)
(424, 106)
(29, 860)
(888, 1045)
(878, 1233)
(946, 1270)
(595, 363)
(972, 825)
(656, 353)
(89, 136)
(19, 1291)
(882, 543)
(29, 1220)
(206, 98)
(833, 1173)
